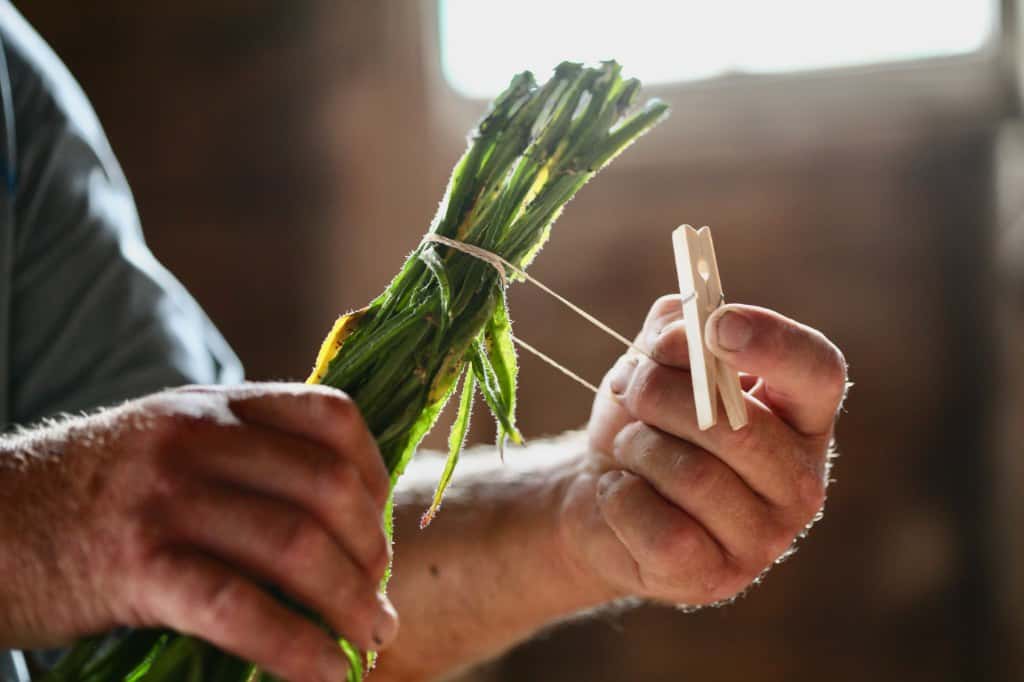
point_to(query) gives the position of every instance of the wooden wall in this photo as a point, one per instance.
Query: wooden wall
(286, 156)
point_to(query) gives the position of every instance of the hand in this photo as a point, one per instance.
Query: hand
(666, 511)
(179, 510)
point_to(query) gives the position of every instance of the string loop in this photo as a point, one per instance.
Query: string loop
(489, 257)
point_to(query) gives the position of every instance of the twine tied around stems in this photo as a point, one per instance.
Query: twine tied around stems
(503, 267)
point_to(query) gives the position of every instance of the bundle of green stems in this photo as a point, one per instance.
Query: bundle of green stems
(443, 319)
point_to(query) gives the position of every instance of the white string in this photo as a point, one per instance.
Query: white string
(489, 257)
(500, 264)
(554, 363)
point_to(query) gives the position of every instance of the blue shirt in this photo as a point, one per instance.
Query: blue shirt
(87, 316)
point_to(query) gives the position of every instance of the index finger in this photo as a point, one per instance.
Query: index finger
(664, 333)
(804, 372)
(320, 414)
(198, 595)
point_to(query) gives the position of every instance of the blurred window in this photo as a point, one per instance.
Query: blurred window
(483, 42)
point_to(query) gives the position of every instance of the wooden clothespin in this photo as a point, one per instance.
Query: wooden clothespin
(701, 289)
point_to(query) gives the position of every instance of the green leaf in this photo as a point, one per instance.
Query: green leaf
(355, 661)
(128, 659)
(69, 667)
(373, 346)
(174, 660)
(436, 266)
(456, 439)
(627, 131)
(229, 669)
(488, 383)
(501, 353)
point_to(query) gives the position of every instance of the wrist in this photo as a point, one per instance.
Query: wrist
(46, 596)
(498, 563)
(546, 488)
(22, 551)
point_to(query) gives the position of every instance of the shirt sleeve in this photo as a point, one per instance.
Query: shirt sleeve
(95, 319)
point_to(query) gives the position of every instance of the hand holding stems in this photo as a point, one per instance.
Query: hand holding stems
(177, 510)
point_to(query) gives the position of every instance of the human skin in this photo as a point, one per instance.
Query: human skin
(175, 510)
(644, 505)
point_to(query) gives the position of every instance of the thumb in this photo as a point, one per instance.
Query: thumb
(804, 372)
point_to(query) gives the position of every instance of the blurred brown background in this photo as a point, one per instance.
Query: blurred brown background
(285, 156)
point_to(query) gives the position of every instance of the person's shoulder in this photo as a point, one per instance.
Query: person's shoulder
(44, 91)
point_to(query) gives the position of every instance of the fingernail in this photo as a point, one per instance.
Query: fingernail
(621, 374)
(730, 332)
(608, 479)
(387, 622)
(333, 666)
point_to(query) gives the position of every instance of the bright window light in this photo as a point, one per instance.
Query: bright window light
(484, 42)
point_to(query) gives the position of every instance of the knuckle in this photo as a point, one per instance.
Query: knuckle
(301, 542)
(751, 438)
(355, 607)
(342, 407)
(833, 371)
(143, 598)
(334, 407)
(216, 601)
(671, 346)
(682, 543)
(167, 481)
(345, 481)
(725, 581)
(776, 541)
(168, 439)
(162, 433)
(615, 499)
(141, 540)
(695, 575)
(649, 390)
(342, 485)
(628, 440)
(649, 453)
(697, 471)
(668, 304)
(296, 652)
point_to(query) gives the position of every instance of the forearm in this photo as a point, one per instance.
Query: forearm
(491, 569)
(34, 557)
(18, 566)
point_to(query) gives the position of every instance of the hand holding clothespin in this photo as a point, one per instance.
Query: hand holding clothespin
(701, 289)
